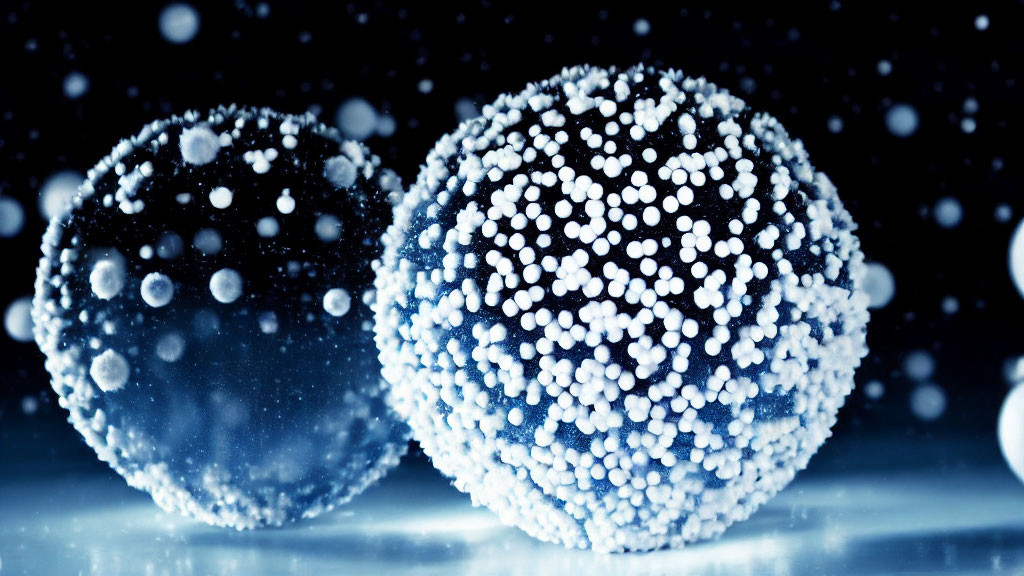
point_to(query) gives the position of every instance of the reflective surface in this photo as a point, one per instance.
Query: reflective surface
(863, 507)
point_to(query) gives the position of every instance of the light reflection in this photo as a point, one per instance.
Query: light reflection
(414, 522)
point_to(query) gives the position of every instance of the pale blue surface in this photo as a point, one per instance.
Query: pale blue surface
(913, 521)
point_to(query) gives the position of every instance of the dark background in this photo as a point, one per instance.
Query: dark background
(806, 64)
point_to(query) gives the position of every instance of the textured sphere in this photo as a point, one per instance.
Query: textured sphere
(620, 308)
(188, 338)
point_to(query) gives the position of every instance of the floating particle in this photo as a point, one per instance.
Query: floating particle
(12, 217)
(75, 85)
(641, 27)
(57, 192)
(621, 309)
(386, 126)
(106, 278)
(948, 212)
(884, 67)
(968, 125)
(179, 23)
(157, 289)
(465, 109)
(928, 401)
(425, 86)
(874, 389)
(29, 405)
(337, 302)
(1017, 257)
(199, 145)
(981, 22)
(328, 228)
(191, 351)
(901, 120)
(110, 371)
(950, 305)
(1013, 370)
(357, 118)
(170, 347)
(919, 365)
(226, 285)
(879, 285)
(1003, 213)
(1011, 430)
(970, 106)
(18, 319)
(835, 124)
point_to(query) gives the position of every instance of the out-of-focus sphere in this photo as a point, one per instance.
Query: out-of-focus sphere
(357, 118)
(186, 337)
(919, 365)
(1011, 430)
(879, 284)
(928, 401)
(902, 120)
(226, 285)
(12, 217)
(337, 302)
(106, 279)
(179, 23)
(948, 212)
(57, 192)
(157, 289)
(18, 319)
(1017, 257)
(621, 309)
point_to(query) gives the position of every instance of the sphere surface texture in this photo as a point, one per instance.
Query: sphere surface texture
(180, 305)
(620, 308)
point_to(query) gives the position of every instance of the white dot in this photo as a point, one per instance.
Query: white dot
(221, 197)
(157, 289)
(110, 371)
(357, 118)
(106, 279)
(226, 285)
(285, 203)
(884, 67)
(199, 145)
(178, 23)
(18, 319)
(337, 302)
(902, 120)
(981, 22)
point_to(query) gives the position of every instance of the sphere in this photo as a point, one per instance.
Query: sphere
(1011, 430)
(156, 296)
(620, 309)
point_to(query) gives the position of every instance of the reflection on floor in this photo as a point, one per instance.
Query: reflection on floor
(967, 519)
